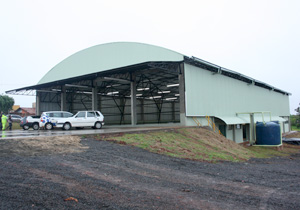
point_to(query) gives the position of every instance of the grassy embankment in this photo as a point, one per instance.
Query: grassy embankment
(196, 144)
(15, 126)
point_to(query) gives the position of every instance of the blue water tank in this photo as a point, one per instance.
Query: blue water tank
(268, 133)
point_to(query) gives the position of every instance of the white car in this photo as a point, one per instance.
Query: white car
(93, 119)
(51, 119)
(30, 122)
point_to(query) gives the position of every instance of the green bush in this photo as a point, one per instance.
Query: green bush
(295, 120)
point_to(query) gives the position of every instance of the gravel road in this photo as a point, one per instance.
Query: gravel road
(105, 175)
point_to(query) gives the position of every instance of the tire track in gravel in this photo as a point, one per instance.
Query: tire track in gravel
(111, 176)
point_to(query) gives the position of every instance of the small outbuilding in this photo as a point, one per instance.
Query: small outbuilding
(135, 83)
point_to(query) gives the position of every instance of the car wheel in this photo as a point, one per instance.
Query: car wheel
(67, 126)
(25, 127)
(98, 125)
(35, 126)
(48, 126)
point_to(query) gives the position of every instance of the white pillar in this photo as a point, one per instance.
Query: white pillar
(252, 129)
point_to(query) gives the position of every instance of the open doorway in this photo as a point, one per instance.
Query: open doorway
(246, 128)
(222, 129)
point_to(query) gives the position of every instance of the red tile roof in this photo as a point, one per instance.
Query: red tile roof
(30, 111)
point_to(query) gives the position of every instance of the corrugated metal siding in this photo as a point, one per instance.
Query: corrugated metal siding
(217, 95)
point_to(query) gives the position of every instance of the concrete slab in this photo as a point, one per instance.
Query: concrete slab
(21, 134)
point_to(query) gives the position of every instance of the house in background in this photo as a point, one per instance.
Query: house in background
(14, 108)
(22, 111)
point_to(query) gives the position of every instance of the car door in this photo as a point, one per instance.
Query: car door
(91, 118)
(79, 120)
(56, 117)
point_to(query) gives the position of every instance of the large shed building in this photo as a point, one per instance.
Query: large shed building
(135, 83)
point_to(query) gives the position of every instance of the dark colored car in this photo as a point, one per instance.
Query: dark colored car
(30, 122)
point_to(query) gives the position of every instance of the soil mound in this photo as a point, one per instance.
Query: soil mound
(295, 134)
(189, 143)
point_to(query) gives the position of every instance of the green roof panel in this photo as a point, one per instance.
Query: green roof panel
(108, 56)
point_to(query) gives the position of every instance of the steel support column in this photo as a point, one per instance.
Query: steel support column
(63, 99)
(252, 129)
(133, 99)
(233, 133)
(182, 95)
(38, 103)
(94, 96)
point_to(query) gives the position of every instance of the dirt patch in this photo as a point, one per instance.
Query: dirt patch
(41, 146)
(293, 135)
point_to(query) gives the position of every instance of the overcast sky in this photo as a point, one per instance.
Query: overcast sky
(258, 38)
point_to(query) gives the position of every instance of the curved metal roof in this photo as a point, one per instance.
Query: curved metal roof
(106, 57)
(122, 56)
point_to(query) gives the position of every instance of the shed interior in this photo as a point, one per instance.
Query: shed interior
(156, 86)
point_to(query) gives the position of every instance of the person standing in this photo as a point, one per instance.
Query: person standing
(0, 120)
(9, 122)
(4, 120)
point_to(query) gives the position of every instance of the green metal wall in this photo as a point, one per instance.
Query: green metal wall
(218, 95)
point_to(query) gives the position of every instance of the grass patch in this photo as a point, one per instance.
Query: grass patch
(15, 126)
(294, 128)
(266, 152)
(195, 144)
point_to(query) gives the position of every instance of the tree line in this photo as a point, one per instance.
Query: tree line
(6, 103)
(295, 120)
